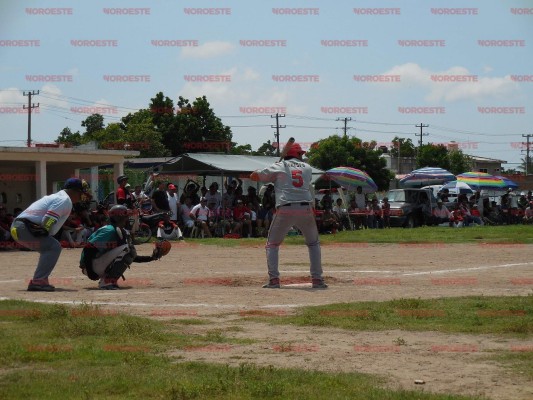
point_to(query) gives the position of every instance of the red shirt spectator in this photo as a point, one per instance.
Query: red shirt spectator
(240, 210)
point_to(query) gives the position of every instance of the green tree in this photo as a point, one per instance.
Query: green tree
(266, 149)
(455, 161)
(92, 124)
(164, 118)
(141, 134)
(406, 147)
(459, 162)
(194, 123)
(336, 151)
(67, 137)
(160, 130)
(430, 155)
(526, 165)
(511, 171)
(245, 149)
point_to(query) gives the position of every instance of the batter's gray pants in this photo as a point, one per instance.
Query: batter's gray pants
(47, 246)
(303, 218)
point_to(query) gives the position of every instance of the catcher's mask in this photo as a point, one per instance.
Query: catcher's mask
(118, 215)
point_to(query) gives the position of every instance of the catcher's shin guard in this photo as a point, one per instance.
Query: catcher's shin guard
(116, 269)
(116, 266)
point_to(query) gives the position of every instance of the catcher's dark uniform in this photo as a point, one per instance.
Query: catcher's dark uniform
(109, 252)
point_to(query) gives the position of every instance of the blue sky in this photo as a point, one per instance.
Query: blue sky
(487, 113)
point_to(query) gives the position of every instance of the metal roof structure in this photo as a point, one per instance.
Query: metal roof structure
(218, 164)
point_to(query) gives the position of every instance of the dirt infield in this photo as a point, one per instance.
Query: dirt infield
(222, 284)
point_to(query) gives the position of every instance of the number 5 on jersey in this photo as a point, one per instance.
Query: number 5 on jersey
(297, 180)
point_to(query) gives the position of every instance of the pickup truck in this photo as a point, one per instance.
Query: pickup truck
(408, 207)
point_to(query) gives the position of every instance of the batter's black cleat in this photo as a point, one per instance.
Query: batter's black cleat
(40, 285)
(272, 284)
(40, 288)
(319, 284)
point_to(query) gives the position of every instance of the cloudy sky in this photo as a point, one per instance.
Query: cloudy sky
(465, 68)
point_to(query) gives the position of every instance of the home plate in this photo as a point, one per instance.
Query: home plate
(298, 285)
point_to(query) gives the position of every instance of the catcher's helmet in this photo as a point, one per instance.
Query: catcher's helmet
(118, 214)
(122, 178)
(295, 151)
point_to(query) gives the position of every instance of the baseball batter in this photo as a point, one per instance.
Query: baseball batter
(294, 207)
(36, 226)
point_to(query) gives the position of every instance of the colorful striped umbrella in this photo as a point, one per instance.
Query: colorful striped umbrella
(508, 182)
(350, 178)
(481, 180)
(427, 176)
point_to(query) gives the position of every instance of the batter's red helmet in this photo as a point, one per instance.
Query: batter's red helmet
(295, 151)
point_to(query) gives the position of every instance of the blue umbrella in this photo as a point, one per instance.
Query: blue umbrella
(427, 176)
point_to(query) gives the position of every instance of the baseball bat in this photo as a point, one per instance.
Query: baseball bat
(285, 150)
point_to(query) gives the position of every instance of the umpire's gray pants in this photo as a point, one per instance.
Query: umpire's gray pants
(303, 218)
(47, 246)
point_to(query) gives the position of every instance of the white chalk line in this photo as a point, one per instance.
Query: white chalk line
(444, 271)
(409, 273)
(184, 305)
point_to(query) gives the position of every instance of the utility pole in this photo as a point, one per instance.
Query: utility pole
(345, 119)
(421, 126)
(527, 153)
(399, 155)
(30, 107)
(277, 126)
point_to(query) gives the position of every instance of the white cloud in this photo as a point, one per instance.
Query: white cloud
(208, 50)
(74, 71)
(250, 75)
(51, 96)
(9, 96)
(223, 93)
(472, 88)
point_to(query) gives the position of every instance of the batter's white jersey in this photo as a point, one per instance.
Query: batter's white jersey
(292, 181)
(57, 206)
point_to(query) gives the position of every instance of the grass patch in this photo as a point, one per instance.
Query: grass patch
(479, 315)
(190, 321)
(52, 352)
(518, 361)
(508, 234)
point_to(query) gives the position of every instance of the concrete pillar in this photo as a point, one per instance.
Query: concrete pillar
(40, 179)
(94, 182)
(118, 169)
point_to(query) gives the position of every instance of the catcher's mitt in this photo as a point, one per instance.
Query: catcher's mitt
(162, 248)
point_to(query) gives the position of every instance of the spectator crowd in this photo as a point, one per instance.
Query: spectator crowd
(207, 212)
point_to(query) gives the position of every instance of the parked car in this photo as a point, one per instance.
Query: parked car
(408, 206)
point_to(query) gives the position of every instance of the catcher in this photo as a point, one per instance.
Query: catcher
(110, 251)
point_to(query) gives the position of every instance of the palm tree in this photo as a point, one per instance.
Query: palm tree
(527, 165)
